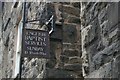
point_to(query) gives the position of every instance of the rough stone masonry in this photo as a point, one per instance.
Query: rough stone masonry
(65, 50)
(85, 42)
(100, 34)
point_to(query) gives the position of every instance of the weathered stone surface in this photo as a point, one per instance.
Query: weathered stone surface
(92, 34)
(74, 20)
(71, 46)
(104, 72)
(76, 4)
(99, 33)
(113, 19)
(9, 45)
(51, 63)
(6, 37)
(73, 67)
(100, 39)
(69, 33)
(102, 15)
(116, 67)
(58, 73)
(73, 60)
(32, 68)
(66, 3)
(70, 10)
(106, 55)
(57, 33)
(71, 53)
(64, 58)
(67, 30)
(71, 39)
(1, 54)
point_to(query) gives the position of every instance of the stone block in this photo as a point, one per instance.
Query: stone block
(71, 46)
(76, 4)
(90, 12)
(6, 38)
(116, 67)
(73, 67)
(102, 16)
(93, 33)
(69, 33)
(59, 73)
(109, 36)
(65, 16)
(106, 55)
(70, 10)
(114, 36)
(112, 14)
(33, 73)
(64, 58)
(51, 63)
(65, 3)
(75, 20)
(33, 67)
(54, 46)
(73, 60)
(93, 48)
(104, 72)
(57, 33)
(71, 53)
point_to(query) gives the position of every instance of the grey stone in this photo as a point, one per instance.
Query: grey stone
(71, 46)
(51, 63)
(73, 67)
(73, 60)
(69, 33)
(113, 14)
(116, 67)
(70, 10)
(64, 58)
(76, 4)
(57, 33)
(100, 42)
(58, 73)
(106, 55)
(75, 20)
(71, 53)
(93, 34)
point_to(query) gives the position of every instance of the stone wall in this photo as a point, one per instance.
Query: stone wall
(65, 43)
(0, 39)
(12, 18)
(34, 67)
(66, 49)
(71, 39)
(85, 41)
(100, 39)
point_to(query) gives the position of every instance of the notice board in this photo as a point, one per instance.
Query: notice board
(35, 43)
